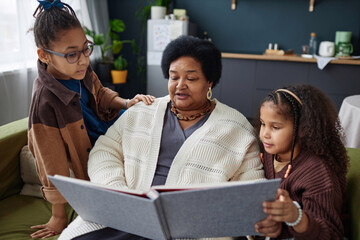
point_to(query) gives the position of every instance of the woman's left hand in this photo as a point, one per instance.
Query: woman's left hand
(147, 99)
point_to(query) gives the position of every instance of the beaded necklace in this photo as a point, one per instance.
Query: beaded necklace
(190, 118)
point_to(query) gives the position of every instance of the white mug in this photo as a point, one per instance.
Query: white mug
(327, 49)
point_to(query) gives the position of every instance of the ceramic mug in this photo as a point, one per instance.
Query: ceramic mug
(342, 36)
(327, 49)
(344, 49)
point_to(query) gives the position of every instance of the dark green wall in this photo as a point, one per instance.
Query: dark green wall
(250, 27)
(255, 23)
(126, 10)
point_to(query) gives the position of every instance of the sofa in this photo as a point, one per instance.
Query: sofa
(21, 208)
(21, 204)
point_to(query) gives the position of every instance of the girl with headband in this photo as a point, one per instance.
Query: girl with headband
(301, 139)
(70, 108)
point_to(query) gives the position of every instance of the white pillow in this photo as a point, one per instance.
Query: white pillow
(29, 175)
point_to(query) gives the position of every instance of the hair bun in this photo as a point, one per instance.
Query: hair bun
(48, 5)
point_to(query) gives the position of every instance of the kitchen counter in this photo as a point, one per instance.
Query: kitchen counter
(247, 78)
(289, 58)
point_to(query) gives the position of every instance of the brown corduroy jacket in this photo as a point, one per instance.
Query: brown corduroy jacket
(57, 136)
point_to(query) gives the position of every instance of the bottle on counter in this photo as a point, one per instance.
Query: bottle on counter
(312, 44)
(206, 37)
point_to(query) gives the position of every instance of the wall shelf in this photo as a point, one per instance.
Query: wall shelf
(311, 5)
(288, 58)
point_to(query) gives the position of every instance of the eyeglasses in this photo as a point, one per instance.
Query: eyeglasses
(73, 57)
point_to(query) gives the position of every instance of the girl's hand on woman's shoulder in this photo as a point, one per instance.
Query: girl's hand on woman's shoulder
(147, 99)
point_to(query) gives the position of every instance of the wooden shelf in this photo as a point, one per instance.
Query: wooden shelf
(288, 58)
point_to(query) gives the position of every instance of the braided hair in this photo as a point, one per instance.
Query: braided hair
(316, 124)
(290, 108)
(51, 20)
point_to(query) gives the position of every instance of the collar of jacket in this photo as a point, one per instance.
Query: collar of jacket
(59, 90)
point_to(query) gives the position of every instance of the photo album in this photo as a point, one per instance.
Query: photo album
(226, 209)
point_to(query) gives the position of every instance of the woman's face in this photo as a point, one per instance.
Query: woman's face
(71, 40)
(187, 84)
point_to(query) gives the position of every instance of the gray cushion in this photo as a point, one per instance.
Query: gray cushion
(29, 175)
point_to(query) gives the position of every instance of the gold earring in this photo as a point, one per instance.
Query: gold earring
(209, 94)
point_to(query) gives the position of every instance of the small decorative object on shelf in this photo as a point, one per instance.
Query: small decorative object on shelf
(275, 51)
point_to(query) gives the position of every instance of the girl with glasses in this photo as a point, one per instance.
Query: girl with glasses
(70, 108)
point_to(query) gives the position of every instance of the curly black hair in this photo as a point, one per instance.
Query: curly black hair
(203, 51)
(51, 22)
(316, 123)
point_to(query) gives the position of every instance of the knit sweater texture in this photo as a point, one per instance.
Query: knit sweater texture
(318, 190)
(224, 149)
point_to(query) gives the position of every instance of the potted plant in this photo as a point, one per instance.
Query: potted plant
(110, 45)
(144, 13)
(119, 73)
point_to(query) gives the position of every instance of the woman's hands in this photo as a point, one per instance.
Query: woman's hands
(55, 226)
(147, 99)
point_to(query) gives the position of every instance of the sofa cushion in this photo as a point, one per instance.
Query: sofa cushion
(13, 137)
(18, 213)
(29, 175)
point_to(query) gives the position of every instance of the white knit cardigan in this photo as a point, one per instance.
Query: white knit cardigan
(223, 149)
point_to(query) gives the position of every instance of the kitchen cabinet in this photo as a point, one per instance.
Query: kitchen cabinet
(245, 81)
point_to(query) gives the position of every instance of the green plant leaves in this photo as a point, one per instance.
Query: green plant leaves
(117, 46)
(99, 39)
(120, 63)
(114, 44)
(134, 46)
(117, 25)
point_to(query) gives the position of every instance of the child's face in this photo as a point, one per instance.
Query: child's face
(276, 131)
(71, 40)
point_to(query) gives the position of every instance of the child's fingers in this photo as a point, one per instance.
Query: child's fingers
(41, 233)
(281, 211)
(268, 227)
(284, 193)
(147, 99)
(38, 226)
(273, 205)
(277, 218)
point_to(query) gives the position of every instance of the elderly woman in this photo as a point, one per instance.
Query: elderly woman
(182, 138)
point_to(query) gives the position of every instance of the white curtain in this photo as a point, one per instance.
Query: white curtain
(98, 14)
(18, 62)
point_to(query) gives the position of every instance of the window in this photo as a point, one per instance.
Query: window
(17, 45)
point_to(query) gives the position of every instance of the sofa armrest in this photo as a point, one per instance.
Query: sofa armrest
(13, 136)
(353, 191)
